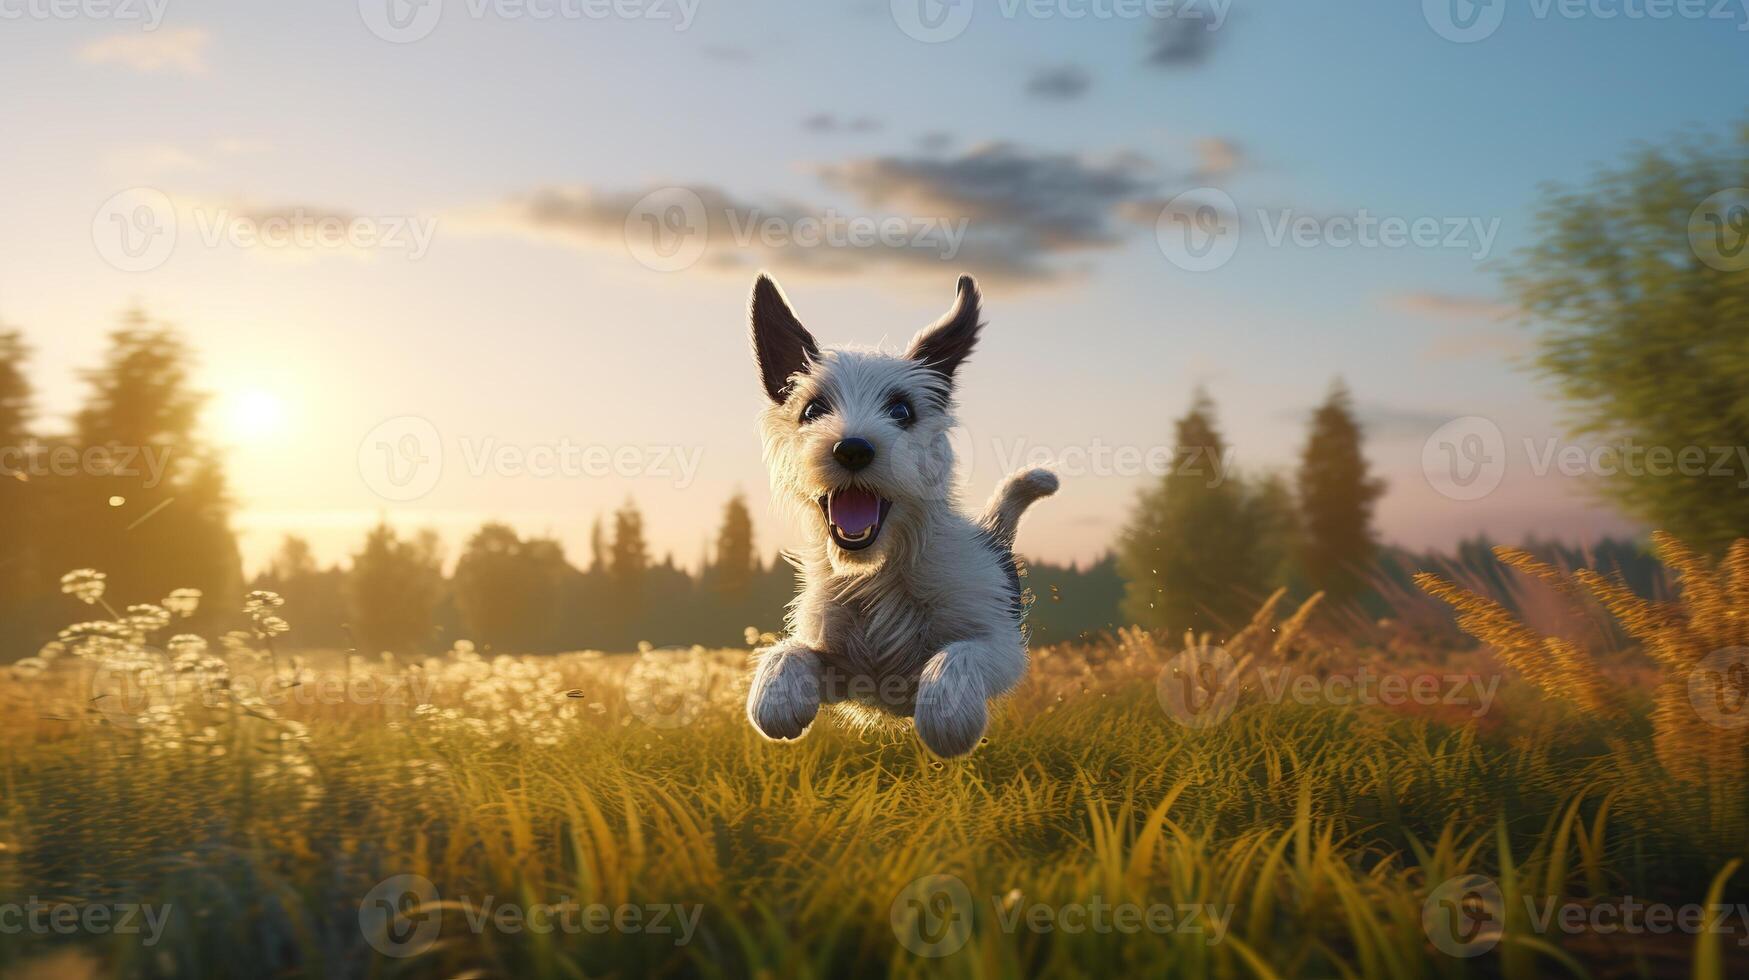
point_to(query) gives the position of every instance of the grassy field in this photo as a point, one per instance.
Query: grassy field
(591, 815)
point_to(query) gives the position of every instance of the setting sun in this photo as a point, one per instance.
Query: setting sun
(252, 413)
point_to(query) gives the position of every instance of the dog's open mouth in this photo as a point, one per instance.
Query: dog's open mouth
(854, 516)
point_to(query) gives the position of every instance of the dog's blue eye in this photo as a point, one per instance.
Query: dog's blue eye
(815, 409)
(899, 412)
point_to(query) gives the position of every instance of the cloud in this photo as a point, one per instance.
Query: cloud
(740, 235)
(181, 52)
(1466, 338)
(997, 210)
(1450, 305)
(155, 160)
(1217, 157)
(1034, 202)
(826, 122)
(935, 141)
(1064, 83)
(728, 53)
(1181, 41)
(1383, 421)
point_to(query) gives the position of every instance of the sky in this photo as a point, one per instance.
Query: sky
(451, 261)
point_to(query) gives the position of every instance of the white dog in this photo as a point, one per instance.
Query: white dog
(907, 606)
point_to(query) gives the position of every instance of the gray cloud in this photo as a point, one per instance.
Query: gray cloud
(826, 122)
(1180, 42)
(1008, 213)
(1033, 203)
(728, 53)
(1383, 421)
(1063, 82)
(935, 141)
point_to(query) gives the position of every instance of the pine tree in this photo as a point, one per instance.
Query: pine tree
(1191, 556)
(20, 575)
(393, 590)
(148, 504)
(508, 588)
(629, 556)
(736, 564)
(1336, 500)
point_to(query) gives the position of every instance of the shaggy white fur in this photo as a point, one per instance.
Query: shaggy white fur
(917, 614)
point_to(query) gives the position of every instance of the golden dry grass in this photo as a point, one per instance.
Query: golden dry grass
(262, 798)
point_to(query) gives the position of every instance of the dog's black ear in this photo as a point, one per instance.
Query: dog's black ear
(781, 345)
(944, 346)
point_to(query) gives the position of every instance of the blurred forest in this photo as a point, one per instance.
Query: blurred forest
(146, 503)
(1641, 299)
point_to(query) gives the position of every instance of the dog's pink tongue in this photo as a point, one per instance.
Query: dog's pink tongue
(854, 510)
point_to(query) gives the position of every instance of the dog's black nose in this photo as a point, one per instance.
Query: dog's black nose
(854, 454)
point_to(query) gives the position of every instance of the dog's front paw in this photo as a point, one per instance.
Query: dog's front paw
(785, 695)
(951, 714)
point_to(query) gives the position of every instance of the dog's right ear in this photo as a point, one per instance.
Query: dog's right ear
(782, 347)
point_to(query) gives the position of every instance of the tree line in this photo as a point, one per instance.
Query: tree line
(1639, 284)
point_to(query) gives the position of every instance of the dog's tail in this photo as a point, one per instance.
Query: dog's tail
(1012, 497)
